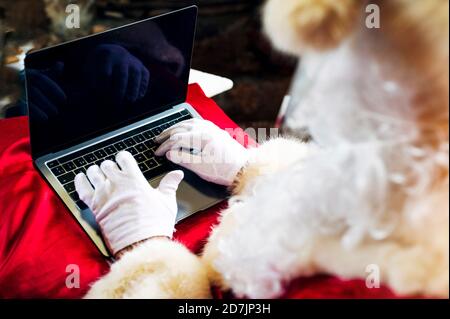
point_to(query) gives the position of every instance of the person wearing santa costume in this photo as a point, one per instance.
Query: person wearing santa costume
(369, 189)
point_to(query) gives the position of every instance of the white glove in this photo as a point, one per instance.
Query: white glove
(126, 207)
(205, 149)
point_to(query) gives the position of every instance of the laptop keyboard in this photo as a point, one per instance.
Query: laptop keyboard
(139, 142)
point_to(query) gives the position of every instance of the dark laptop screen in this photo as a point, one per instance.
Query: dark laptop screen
(82, 89)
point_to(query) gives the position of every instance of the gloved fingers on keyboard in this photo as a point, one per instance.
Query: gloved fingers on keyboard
(184, 126)
(166, 134)
(110, 169)
(127, 163)
(95, 176)
(186, 140)
(84, 188)
(185, 158)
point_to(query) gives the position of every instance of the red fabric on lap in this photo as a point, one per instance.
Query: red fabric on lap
(39, 238)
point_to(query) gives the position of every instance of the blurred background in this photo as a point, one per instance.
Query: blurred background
(229, 42)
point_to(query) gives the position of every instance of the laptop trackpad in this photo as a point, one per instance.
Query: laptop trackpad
(194, 194)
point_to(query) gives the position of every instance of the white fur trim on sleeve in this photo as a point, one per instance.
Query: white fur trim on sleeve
(271, 157)
(158, 268)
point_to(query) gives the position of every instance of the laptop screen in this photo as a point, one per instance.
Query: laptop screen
(84, 88)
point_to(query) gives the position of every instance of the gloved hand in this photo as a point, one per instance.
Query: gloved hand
(126, 207)
(112, 71)
(205, 149)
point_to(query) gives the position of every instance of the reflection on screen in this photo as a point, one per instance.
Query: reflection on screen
(80, 89)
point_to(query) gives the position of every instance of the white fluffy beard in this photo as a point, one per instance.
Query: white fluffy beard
(346, 193)
(368, 182)
(347, 96)
(363, 119)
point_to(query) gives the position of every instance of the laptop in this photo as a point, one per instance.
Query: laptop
(92, 97)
